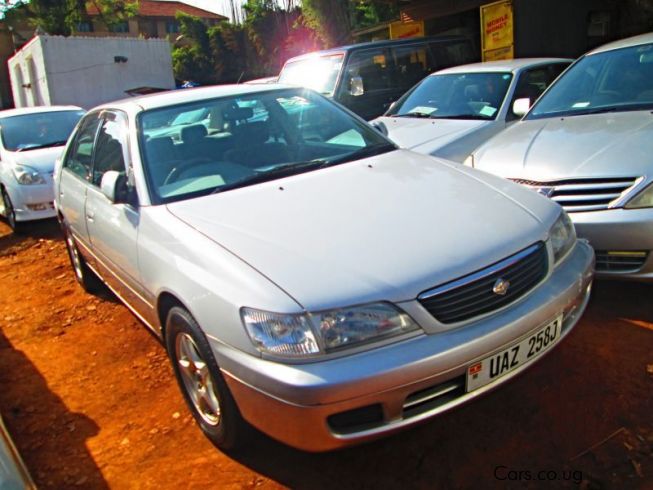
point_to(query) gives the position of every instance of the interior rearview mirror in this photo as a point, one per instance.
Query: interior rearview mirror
(114, 187)
(356, 86)
(521, 106)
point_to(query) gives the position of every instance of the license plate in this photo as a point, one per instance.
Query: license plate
(501, 363)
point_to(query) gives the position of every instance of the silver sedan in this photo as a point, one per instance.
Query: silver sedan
(587, 144)
(305, 275)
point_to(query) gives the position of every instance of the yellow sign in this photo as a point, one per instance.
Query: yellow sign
(403, 30)
(497, 40)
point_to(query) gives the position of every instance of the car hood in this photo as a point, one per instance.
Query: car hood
(382, 228)
(41, 160)
(597, 145)
(419, 133)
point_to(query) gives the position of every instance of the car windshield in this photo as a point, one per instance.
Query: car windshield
(319, 73)
(248, 139)
(618, 80)
(455, 96)
(39, 130)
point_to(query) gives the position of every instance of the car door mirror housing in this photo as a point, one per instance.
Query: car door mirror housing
(114, 187)
(356, 87)
(521, 106)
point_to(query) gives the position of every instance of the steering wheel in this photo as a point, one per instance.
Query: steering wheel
(179, 170)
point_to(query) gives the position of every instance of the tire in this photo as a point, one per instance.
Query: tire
(201, 383)
(83, 274)
(9, 212)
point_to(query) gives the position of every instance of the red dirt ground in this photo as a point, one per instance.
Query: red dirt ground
(90, 399)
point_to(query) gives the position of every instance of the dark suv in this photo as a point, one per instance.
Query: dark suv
(368, 77)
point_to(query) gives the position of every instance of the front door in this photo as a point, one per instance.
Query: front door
(113, 228)
(376, 70)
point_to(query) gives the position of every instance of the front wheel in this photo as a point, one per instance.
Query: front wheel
(9, 212)
(201, 382)
(83, 274)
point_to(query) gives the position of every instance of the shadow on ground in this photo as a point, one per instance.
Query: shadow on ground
(46, 433)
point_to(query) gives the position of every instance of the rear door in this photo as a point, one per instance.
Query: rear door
(75, 176)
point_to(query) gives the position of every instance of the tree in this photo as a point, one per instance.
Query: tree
(61, 17)
(331, 20)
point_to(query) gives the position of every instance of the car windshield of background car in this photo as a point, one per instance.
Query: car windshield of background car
(611, 81)
(40, 130)
(456, 96)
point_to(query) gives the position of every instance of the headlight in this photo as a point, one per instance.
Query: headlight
(642, 200)
(305, 335)
(563, 236)
(279, 334)
(469, 161)
(361, 324)
(27, 175)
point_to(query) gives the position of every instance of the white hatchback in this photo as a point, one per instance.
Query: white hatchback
(31, 139)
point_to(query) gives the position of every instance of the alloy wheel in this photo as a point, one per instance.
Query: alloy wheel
(197, 379)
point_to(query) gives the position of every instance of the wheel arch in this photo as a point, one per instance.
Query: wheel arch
(164, 303)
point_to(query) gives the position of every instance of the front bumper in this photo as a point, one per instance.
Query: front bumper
(619, 230)
(32, 202)
(299, 404)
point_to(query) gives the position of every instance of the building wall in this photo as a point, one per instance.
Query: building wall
(82, 70)
(563, 28)
(29, 84)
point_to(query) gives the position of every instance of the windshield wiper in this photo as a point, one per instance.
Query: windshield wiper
(295, 168)
(273, 173)
(640, 106)
(463, 116)
(44, 145)
(412, 114)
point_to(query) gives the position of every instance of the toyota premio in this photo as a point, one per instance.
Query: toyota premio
(305, 275)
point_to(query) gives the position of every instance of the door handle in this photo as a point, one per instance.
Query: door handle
(90, 215)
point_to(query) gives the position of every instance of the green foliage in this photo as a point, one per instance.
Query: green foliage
(61, 17)
(330, 19)
(229, 53)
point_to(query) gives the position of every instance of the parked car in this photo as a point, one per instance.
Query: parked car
(587, 144)
(312, 279)
(30, 141)
(366, 78)
(453, 111)
(13, 472)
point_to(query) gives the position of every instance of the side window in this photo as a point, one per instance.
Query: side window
(373, 66)
(110, 148)
(449, 54)
(79, 158)
(412, 64)
(532, 83)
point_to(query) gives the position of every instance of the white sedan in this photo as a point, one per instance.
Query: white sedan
(31, 139)
(453, 111)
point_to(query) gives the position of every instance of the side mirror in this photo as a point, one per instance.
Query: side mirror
(114, 187)
(521, 106)
(356, 87)
(380, 127)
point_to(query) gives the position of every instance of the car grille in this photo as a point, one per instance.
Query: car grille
(620, 260)
(474, 295)
(582, 194)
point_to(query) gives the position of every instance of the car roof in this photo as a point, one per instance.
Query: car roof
(182, 96)
(502, 65)
(377, 44)
(21, 111)
(624, 43)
